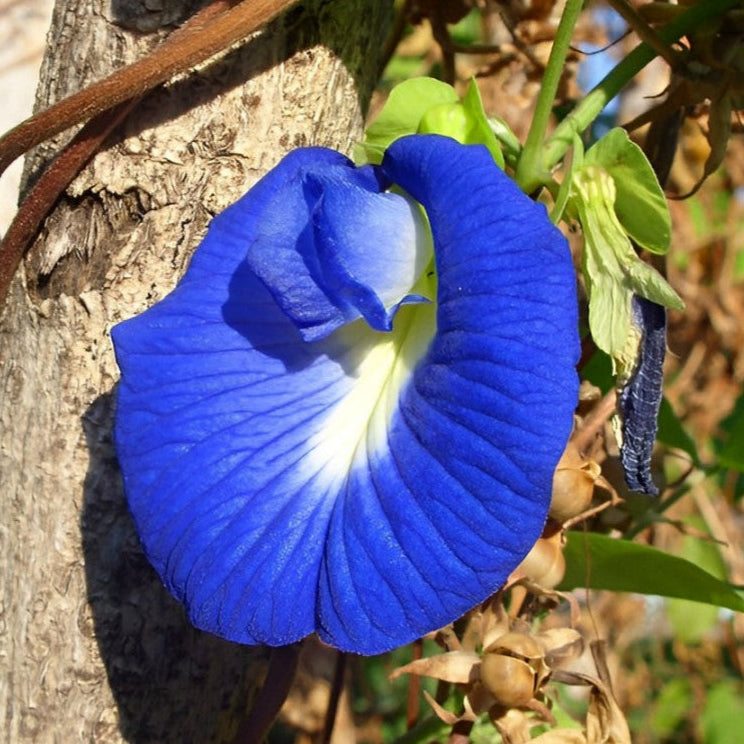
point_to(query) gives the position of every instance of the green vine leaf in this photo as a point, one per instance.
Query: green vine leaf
(599, 562)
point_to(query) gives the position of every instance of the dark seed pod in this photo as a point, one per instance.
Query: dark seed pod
(640, 398)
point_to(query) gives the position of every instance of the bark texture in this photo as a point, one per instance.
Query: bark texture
(92, 647)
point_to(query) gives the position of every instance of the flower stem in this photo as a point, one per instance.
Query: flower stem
(589, 107)
(531, 172)
(279, 678)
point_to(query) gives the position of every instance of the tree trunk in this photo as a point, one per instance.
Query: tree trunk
(93, 649)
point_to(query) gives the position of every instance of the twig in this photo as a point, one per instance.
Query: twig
(645, 32)
(442, 37)
(136, 79)
(57, 177)
(594, 422)
(399, 28)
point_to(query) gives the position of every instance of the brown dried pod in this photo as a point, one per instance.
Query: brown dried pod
(511, 681)
(519, 645)
(573, 485)
(545, 564)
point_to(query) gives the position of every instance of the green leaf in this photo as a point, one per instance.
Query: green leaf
(599, 562)
(402, 113)
(671, 707)
(509, 144)
(723, 713)
(692, 621)
(598, 371)
(672, 433)
(731, 453)
(613, 272)
(640, 203)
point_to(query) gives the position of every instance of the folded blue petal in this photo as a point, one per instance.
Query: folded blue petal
(305, 452)
(329, 244)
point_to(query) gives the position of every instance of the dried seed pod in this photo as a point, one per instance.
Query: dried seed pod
(545, 564)
(511, 681)
(573, 485)
(519, 645)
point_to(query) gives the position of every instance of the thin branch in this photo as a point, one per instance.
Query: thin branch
(393, 40)
(47, 190)
(136, 79)
(442, 37)
(57, 177)
(645, 32)
(594, 422)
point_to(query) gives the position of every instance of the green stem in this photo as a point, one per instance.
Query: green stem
(530, 170)
(589, 108)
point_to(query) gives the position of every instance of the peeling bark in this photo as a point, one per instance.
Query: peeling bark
(93, 648)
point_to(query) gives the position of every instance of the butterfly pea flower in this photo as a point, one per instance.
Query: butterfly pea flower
(345, 418)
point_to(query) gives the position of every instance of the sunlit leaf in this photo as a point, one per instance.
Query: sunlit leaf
(692, 620)
(722, 715)
(671, 707)
(612, 271)
(640, 203)
(672, 433)
(600, 562)
(731, 454)
(427, 106)
(402, 113)
(480, 131)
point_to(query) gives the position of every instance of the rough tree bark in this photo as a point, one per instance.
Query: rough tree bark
(91, 647)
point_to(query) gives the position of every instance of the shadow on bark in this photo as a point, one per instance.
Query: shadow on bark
(172, 683)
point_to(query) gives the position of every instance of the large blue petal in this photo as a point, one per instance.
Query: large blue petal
(366, 486)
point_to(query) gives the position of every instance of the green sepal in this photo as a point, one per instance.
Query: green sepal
(574, 161)
(613, 272)
(402, 115)
(509, 143)
(640, 203)
(428, 106)
(480, 131)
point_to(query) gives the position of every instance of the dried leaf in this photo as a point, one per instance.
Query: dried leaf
(445, 715)
(478, 700)
(514, 726)
(453, 666)
(605, 722)
(561, 645)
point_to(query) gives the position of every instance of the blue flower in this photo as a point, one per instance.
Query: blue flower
(324, 428)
